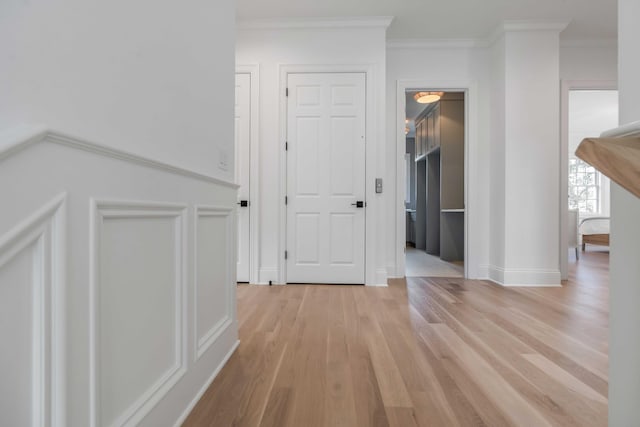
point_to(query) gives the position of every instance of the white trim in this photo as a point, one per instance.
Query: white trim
(46, 229)
(627, 130)
(524, 278)
(565, 87)
(374, 203)
(307, 23)
(265, 273)
(206, 385)
(534, 25)
(202, 344)
(434, 43)
(381, 278)
(483, 272)
(22, 137)
(254, 173)
(525, 25)
(471, 167)
(101, 209)
(590, 43)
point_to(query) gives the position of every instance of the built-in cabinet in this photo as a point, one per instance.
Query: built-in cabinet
(439, 159)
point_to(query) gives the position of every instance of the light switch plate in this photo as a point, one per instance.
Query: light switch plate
(378, 185)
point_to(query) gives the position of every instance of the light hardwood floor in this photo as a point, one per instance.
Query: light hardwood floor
(425, 352)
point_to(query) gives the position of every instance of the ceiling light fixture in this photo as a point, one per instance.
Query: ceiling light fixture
(427, 97)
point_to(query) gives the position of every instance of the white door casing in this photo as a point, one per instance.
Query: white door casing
(325, 230)
(242, 170)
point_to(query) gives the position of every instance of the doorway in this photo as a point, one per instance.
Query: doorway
(246, 171)
(325, 178)
(435, 194)
(588, 110)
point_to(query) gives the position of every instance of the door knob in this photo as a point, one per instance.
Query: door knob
(243, 203)
(359, 204)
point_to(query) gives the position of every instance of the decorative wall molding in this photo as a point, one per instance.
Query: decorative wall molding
(590, 43)
(525, 25)
(524, 277)
(118, 209)
(45, 230)
(316, 23)
(22, 137)
(204, 342)
(266, 274)
(435, 43)
(205, 386)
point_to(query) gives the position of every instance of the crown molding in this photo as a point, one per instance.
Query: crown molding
(553, 25)
(590, 43)
(434, 43)
(316, 23)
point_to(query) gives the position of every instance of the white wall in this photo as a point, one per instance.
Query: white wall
(624, 346)
(497, 163)
(136, 325)
(438, 65)
(153, 78)
(340, 45)
(589, 61)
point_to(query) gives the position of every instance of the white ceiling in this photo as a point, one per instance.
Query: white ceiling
(448, 19)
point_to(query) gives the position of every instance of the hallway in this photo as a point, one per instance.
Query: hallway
(439, 352)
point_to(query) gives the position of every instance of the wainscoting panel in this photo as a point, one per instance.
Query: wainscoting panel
(117, 284)
(138, 297)
(214, 233)
(31, 319)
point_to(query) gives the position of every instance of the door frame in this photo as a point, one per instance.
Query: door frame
(471, 168)
(567, 86)
(372, 276)
(254, 164)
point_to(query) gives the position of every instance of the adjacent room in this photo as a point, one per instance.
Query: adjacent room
(435, 162)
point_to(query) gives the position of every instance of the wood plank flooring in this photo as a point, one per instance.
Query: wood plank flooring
(422, 352)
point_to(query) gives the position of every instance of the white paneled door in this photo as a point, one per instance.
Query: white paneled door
(243, 139)
(326, 178)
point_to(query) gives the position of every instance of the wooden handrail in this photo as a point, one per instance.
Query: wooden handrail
(616, 158)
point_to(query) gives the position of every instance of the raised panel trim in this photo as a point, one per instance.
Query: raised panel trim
(47, 229)
(203, 343)
(101, 209)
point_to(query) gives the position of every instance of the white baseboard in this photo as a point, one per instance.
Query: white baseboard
(266, 274)
(206, 385)
(392, 272)
(380, 278)
(483, 272)
(524, 278)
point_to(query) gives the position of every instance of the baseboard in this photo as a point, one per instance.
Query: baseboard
(267, 274)
(483, 272)
(206, 385)
(381, 278)
(524, 278)
(392, 272)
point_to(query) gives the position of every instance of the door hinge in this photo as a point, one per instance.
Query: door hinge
(286, 92)
(286, 146)
(286, 254)
(286, 200)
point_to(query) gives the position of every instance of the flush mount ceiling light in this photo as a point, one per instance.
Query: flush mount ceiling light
(427, 97)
